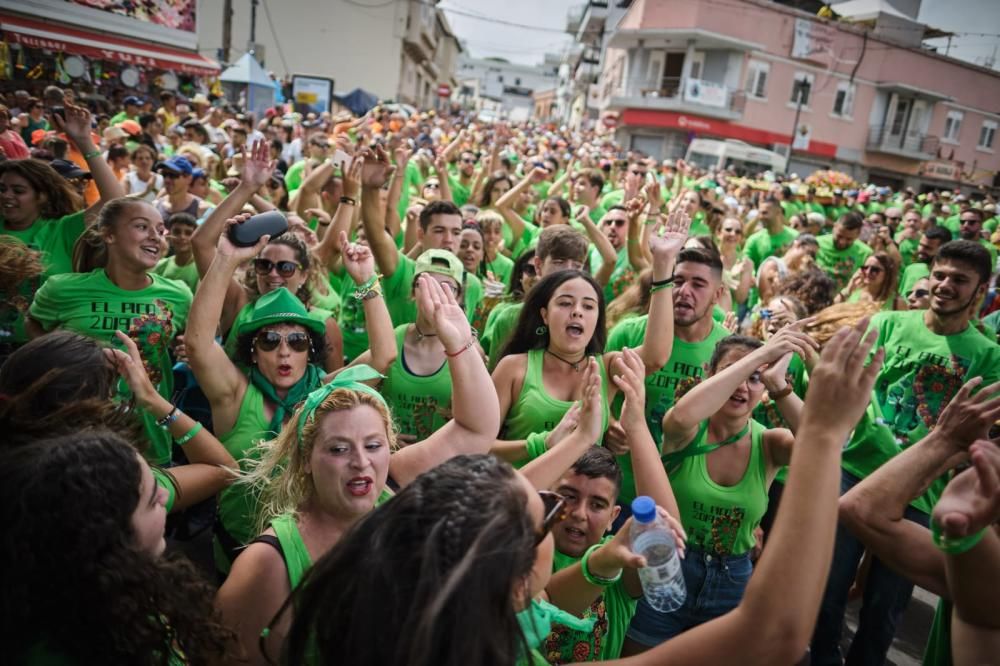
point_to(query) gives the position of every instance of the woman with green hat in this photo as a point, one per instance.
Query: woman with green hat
(279, 350)
(417, 386)
(336, 460)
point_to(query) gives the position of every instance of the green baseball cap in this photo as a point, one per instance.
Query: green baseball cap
(441, 262)
(279, 307)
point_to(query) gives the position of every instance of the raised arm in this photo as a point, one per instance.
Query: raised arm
(393, 222)
(873, 510)
(360, 265)
(329, 249)
(441, 169)
(636, 238)
(557, 186)
(376, 173)
(77, 128)
(609, 256)
(474, 405)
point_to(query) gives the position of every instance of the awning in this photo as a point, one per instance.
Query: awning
(38, 35)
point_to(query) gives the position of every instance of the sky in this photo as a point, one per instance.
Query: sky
(485, 36)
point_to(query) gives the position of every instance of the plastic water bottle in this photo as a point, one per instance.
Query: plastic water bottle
(662, 579)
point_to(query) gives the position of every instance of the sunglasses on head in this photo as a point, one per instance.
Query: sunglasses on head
(555, 511)
(285, 268)
(920, 293)
(270, 340)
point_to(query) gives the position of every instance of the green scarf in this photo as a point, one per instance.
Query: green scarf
(283, 407)
(536, 624)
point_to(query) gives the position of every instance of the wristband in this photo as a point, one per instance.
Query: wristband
(783, 393)
(661, 284)
(955, 545)
(468, 345)
(93, 153)
(349, 201)
(190, 434)
(535, 445)
(169, 418)
(592, 578)
(369, 289)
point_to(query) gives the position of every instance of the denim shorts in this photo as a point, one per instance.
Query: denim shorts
(715, 586)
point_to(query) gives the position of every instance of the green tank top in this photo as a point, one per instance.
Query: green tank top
(420, 404)
(721, 519)
(237, 508)
(535, 410)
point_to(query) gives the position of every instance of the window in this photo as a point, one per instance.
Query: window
(986, 134)
(802, 88)
(952, 126)
(517, 82)
(500, 78)
(843, 100)
(757, 79)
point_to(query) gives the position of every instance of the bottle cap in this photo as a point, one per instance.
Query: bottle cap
(644, 509)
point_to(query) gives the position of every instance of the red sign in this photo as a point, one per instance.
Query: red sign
(444, 90)
(718, 128)
(610, 120)
(37, 35)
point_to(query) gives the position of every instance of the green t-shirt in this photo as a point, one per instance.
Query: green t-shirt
(841, 264)
(55, 240)
(991, 224)
(398, 291)
(921, 373)
(459, 193)
(293, 177)
(686, 362)
(907, 249)
(613, 610)
(762, 244)
(622, 277)
(120, 117)
(501, 267)
(835, 212)
(952, 224)
(912, 274)
(188, 273)
(790, 208)
(165, 481)
(92, 305)
(420, 404)
(499, 326)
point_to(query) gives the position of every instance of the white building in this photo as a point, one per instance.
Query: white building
(503, 89)
(401, 50)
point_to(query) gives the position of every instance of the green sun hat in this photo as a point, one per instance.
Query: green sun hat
(279, 307)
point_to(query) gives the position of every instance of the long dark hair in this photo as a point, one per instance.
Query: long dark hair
(302, 256)
(417, 579)
(526, 334)
(60, 199)
(524, 264)
(79, 585)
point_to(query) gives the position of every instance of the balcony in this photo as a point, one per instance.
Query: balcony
(911, 145)
(705, 98)
(591, 25)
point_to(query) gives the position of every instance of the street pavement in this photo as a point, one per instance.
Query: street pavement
(911, 635)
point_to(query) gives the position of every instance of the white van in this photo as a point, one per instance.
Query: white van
(741, 157)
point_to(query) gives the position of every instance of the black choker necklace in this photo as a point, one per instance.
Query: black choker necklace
(576, 365)
(421, 335)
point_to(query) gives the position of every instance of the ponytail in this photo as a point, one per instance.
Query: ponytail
(90, 251)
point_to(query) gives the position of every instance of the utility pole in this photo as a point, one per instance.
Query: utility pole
(227, 30)
(800, 88)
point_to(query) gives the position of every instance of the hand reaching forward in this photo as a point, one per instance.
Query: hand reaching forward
(76, 125)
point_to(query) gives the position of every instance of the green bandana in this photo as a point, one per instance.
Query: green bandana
(349, 378)
(295, 395)
(536, 621)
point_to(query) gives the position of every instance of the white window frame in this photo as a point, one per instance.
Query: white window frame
(802, 76)
(952, 121)
(847, 108)
(755, 71)
(988, 130)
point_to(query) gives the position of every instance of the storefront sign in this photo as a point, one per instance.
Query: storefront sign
(942, 170)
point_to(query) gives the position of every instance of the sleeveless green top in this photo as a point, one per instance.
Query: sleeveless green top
(535, 410)
(238, 502)
(420, 404)
(721, 519)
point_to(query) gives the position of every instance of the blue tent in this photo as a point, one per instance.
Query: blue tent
(358, 101)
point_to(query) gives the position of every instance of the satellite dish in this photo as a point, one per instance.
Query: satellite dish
(129, 77)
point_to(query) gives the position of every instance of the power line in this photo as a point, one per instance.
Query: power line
(274, 35)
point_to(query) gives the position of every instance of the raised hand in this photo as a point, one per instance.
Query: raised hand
(634, 207)
(617, 553)
(76, 125)
(591, 413)
(258, 165)
(352, 177)
(566, 426)
(654, 195)
(236, 254)
(582, 213)
(321, 215)
(669, 235)
(358, 260)
(630, 378)
(841, 379)
(129, 365)
(633, 183)
(971, 501)
(968, 417)
(790, 340)
(402, 155)
(377, 170)
(731, 323)
(450, 322)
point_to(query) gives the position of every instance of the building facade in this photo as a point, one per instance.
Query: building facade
(403, 50)
(500, 89)
(829, 94)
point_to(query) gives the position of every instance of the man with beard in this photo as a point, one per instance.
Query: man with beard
(931, 240)
(774, 238)
(615, 227)
(971, 229)
(461, 185)
(841, 254)
(930, 354)
(697, 288)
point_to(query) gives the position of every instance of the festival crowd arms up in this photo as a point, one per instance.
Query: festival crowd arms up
(429, 388)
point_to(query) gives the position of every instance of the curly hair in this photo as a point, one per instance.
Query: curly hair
(813, 287)
(277, 467)
(302, 256)
(56, 196)
(456, 542)
(830, 320)
(634, 300)
(18, 264)
(82, 587)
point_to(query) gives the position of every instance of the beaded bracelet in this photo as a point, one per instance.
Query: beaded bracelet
(369, 289)
(955, 545)
(190, 434)
(591, 577)
(467, 346)
(169, 418)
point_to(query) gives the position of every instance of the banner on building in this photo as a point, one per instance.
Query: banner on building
(707, 93)
(311, 93)
(813, 40)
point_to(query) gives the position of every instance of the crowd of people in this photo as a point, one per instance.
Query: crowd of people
(414, 423)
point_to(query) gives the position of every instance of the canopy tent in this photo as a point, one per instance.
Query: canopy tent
(248, 82)
(358, 101)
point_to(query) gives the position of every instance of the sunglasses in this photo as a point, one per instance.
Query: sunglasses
(970, 222)
(920, 293)
(616, 222)
(874, 270)
(468, 161)
(432, 186)
(285, 268)
(270, 340)
(555, 511)
(891, 219)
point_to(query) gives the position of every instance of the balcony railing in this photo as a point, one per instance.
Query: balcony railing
(881, 138)
(694, 92)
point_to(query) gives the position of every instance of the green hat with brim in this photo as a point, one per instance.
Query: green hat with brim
(441, 262)
(279, 307)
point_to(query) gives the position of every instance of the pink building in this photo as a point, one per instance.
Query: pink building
(871, 105)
